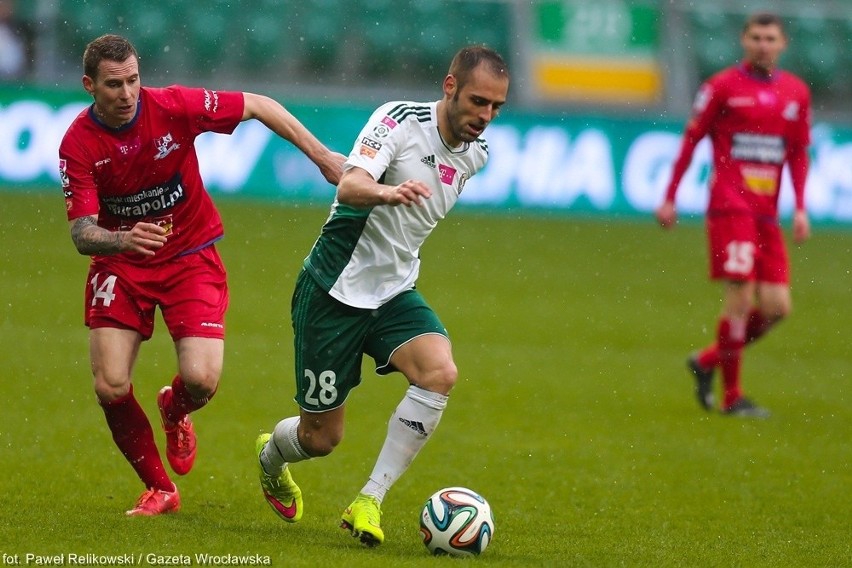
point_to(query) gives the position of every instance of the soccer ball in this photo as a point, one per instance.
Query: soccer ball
(456, 521)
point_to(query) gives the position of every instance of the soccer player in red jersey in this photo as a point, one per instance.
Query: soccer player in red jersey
(758, 119)
(137, 205)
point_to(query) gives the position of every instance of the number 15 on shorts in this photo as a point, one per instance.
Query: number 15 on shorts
(740, 257)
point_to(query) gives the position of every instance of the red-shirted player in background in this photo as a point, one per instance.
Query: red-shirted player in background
(137, 205)
(758, 118)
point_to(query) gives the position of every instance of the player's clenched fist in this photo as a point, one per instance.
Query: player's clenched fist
(144, 238)
(666, 214)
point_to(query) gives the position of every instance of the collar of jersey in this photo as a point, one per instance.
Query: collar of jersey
(460, 150)
(123, 127)
(749, 70)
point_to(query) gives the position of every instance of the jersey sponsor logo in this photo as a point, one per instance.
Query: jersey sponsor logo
(365, 141)
(63, 177)
(165, 146)
(791, 111)
(166, 222)
(736, 102)
(369, 147)
(211, 101)
(760, 179)
(761, 148)
(414, 425)
(389, 122)
(767, 98)
(429, 160)
(146, 202)
(448, 174)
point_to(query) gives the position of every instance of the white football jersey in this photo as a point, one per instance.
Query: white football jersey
(365, 257)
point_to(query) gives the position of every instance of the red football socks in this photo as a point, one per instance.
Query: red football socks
(181, 402)
(730, 338)
(134, 437)
(756, 327)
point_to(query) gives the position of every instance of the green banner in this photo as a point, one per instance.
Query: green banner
(542, 162)
(597, 28)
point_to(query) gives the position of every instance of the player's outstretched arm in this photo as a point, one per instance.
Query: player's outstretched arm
(798, 162)
(801, 226)
(358, 189)
(90, 239)
(666, 214)
(279, 120)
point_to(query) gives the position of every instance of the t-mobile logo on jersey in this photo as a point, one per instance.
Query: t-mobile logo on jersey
(448, 174)
(391, 123)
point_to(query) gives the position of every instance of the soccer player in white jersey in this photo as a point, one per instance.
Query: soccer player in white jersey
(356, 295)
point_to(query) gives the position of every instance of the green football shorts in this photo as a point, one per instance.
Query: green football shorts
(331, 339)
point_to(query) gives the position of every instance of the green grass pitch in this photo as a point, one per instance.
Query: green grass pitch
(573, 415)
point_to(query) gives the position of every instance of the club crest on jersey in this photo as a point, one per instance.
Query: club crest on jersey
(165, 146)
(791, 111)
(462, 180)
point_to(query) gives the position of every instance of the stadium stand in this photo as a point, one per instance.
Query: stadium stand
(398, 43)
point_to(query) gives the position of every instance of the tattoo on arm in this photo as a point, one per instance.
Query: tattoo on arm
(91, 239)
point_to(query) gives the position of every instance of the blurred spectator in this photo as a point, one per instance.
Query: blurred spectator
(13, 46)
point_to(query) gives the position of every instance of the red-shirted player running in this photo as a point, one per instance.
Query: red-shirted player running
(137, 205)
(758, 118)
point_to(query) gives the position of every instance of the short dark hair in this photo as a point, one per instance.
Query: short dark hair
(109, 47)
(468, 58)
(764, 19)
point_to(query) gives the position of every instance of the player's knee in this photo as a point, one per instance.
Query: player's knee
(108, 388)
(441, 379)
(777, 312)
(201, 383)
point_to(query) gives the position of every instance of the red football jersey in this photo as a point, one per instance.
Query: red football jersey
(755, 124)
(147, 170)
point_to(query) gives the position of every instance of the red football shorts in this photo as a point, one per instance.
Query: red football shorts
(747, 247)
(191, 291)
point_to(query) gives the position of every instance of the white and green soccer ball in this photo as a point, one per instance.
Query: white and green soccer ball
(456, 521)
